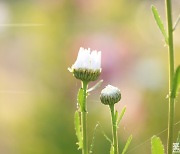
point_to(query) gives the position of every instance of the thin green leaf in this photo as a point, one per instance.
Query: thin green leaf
(116, 115)
(93, 139)
(80, 98)
(176, 23)
(97, 85)
(127, 144)
(159, 23)
(107, 138)
(112, 149)
(102, 131)
(176, 83)
(78, 129)
(121, 115)
(178, 138)
(156, 145)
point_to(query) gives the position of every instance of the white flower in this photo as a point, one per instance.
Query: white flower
(88, 60)
(87, 66)
(110, 95)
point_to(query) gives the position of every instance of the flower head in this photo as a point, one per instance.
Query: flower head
(110, 95)
(88, 65)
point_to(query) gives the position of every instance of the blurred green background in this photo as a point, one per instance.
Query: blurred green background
(40, 39)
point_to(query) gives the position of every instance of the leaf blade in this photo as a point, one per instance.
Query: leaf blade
(159, 23)
(80, 98)
(78, 129)
(176, 83)
(178, 138)
(121, 115)
(176, 23)
(93, 138)
(127, 144)
(156, 145)
(97, 85)
(112, 149)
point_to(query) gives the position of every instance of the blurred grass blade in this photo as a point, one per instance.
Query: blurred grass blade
(78, 129)
(112, 149)
(159, 23)
(97, 85)
(121, 115)
(156, 145)
(80, 98)
(176, 83)
(93, 139)
(127, 144)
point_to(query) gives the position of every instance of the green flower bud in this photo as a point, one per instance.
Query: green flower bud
(110, 95)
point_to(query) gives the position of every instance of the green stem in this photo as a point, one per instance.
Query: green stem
(114, 130)
(171, 76)
(84, 119)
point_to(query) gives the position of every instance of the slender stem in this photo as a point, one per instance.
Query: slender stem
(114, 130)
(84, 119)
(171, 76)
